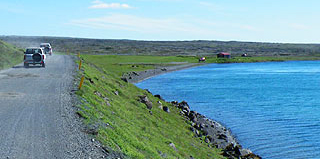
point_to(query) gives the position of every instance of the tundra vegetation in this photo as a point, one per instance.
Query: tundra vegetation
(167, 48)
(9, 55)
(114, 112)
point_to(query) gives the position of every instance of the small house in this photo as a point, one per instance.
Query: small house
(224, 55)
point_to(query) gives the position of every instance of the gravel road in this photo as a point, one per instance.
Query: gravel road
(37, 117)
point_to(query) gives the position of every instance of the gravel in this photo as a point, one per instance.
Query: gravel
(38, 114)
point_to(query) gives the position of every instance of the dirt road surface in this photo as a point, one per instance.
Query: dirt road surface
(37, 118)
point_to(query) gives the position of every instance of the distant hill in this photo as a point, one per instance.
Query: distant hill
(9, 55)
(191, 48)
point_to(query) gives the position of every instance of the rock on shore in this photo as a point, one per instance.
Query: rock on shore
(214, 133)
(210, 131)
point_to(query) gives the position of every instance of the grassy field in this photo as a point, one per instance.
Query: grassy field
(9, 55)
(147, 62)
(124, 123)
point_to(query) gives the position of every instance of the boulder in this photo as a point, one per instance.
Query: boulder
(149, 105)
(210, 138)
(222, 136)
(158, 96)
(91, 81)
(163, 155)
(144, 99)
(251, 156)
(148, 91)
(166, 109)
(173, 146)
(207, 140)
(160, 105)
(232, 151)
(184, 107)
(183, 103)
(174, 102)
(245, 152)
(124, 79)
(97, 93)
(193, 116)
(135, 73)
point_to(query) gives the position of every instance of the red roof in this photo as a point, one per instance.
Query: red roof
(224, 53)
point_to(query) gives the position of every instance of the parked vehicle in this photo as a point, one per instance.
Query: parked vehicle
(34, 55)
(202, 59)
(47, 48)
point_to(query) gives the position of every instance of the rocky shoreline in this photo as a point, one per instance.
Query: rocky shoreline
(207, 130)
(214, 133)
(135, 77)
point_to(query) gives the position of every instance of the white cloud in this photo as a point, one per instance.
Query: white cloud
(101, 5)
(182, 27)
(133, 23)
(142, 24)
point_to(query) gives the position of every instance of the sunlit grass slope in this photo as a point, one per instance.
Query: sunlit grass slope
(9, 55)
(125, 124)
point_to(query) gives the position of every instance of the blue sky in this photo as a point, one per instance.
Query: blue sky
(292, 21)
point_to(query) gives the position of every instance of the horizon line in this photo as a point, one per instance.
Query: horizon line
(175, 40)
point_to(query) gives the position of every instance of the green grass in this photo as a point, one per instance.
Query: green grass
(121, 64)
(126, 125)
(9, 55)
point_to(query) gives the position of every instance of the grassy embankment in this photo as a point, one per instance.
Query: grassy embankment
(9, 55)
(125, 124)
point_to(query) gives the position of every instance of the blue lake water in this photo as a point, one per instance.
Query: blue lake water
(272, 108)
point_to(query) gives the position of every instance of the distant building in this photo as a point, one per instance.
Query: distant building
(224, 55)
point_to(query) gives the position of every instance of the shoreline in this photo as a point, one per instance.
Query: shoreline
(208, 130)
(136, 77)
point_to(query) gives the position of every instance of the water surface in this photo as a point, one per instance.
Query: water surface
(272, 108)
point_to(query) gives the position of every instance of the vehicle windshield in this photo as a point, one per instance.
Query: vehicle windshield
(44, 46)
(33, 51)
